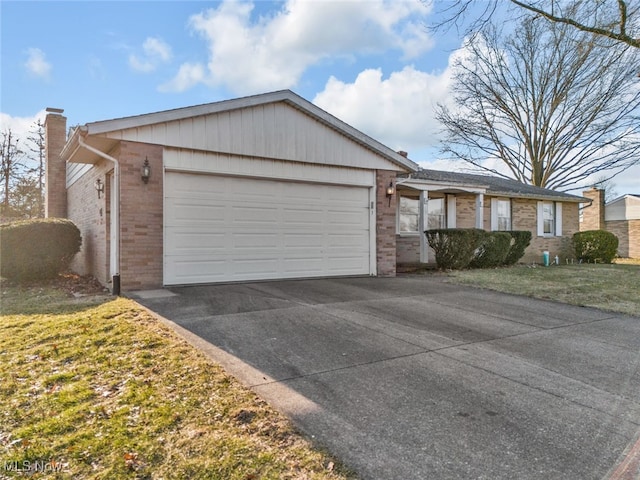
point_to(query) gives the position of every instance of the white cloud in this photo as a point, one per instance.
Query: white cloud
(252, 55)
(37, 64)
(20, 126)
(398, 111)
(189, 75)
(155, 52)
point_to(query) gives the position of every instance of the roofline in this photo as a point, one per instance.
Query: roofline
(621, 197)
(497, 193)
(286, 96)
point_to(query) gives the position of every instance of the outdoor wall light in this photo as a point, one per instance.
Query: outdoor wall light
(146, 171)
(390, 191)
(99, 186)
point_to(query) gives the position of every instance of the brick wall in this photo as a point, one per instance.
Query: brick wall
(385, 224)
(141, 241)
(634, 238)
(628, 233)
(524, 217)
(55, 137)
(91, 216)
(141, 217)
(408, 249)
(593, 215)
(466, 211)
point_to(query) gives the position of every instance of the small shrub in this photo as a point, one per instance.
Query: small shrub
(595, 245)
(520, 242)
(454, 247)
(37, 249)
(492, 250)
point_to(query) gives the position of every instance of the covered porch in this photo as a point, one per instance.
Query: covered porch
(430, 204)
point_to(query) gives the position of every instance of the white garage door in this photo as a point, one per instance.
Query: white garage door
(220, 229)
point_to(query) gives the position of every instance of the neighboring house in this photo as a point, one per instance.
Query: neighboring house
(262, 187)
(434, 199)
(265, 187)
(620, 216)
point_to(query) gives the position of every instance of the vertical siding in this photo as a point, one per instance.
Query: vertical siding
(271, 131)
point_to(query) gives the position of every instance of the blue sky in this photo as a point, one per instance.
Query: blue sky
(371, 63)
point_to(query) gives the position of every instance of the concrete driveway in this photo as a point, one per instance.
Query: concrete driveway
(413, 378)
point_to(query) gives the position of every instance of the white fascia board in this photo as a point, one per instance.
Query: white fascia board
(429, 185)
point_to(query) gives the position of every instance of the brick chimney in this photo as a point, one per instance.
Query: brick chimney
(55, 138)
(593, 215)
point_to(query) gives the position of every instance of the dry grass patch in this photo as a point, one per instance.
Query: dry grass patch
(103, 390)
(608, 287)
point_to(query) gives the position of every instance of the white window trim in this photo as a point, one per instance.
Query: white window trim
(557, 219)
(494, 213)
(398, 232)
(451, 211)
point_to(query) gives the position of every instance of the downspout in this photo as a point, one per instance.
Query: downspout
(115, 213)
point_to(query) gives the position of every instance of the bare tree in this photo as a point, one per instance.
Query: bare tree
(618, 20)
(608, 185)
(36, 147)
(11, 166)
(554, 105)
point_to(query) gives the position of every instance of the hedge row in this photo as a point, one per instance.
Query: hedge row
(37, 249)
(457, 248)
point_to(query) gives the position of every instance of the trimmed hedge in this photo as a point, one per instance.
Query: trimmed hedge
(595, 245)
(457, 248)
(454, 247)
(521, 240)
(37, 249)
(492, 249)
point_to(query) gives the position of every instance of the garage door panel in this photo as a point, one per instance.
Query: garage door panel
(187, 243)
(234, 229)
(301, 241)
(252, 215)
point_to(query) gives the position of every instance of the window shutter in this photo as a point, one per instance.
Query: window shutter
(558, 219)
(540, 220)
(451, 211)
(494, 214)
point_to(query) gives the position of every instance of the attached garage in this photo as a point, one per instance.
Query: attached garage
(222, 228)
(256, 188)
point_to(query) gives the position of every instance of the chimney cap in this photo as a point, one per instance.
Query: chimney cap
(54, 110)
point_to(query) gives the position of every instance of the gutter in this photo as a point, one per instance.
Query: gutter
(114, 266)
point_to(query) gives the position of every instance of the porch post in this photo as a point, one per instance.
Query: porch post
(422, 224)
(480, 210)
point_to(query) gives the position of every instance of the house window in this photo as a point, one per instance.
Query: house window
(408, 215)
(437, 215)
(502, 214)
(548, 218)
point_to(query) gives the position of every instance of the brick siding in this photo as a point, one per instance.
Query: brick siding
(408, 249)
(91, 216)
(55, 128)
(385, 224)
(593, 215)
(524, 216)
(141, 218)
(628, 233)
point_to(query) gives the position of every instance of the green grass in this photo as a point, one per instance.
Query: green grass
(613, 287)
(98, 389)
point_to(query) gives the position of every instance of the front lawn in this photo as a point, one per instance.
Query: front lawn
(95, 387)
(609, 287)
